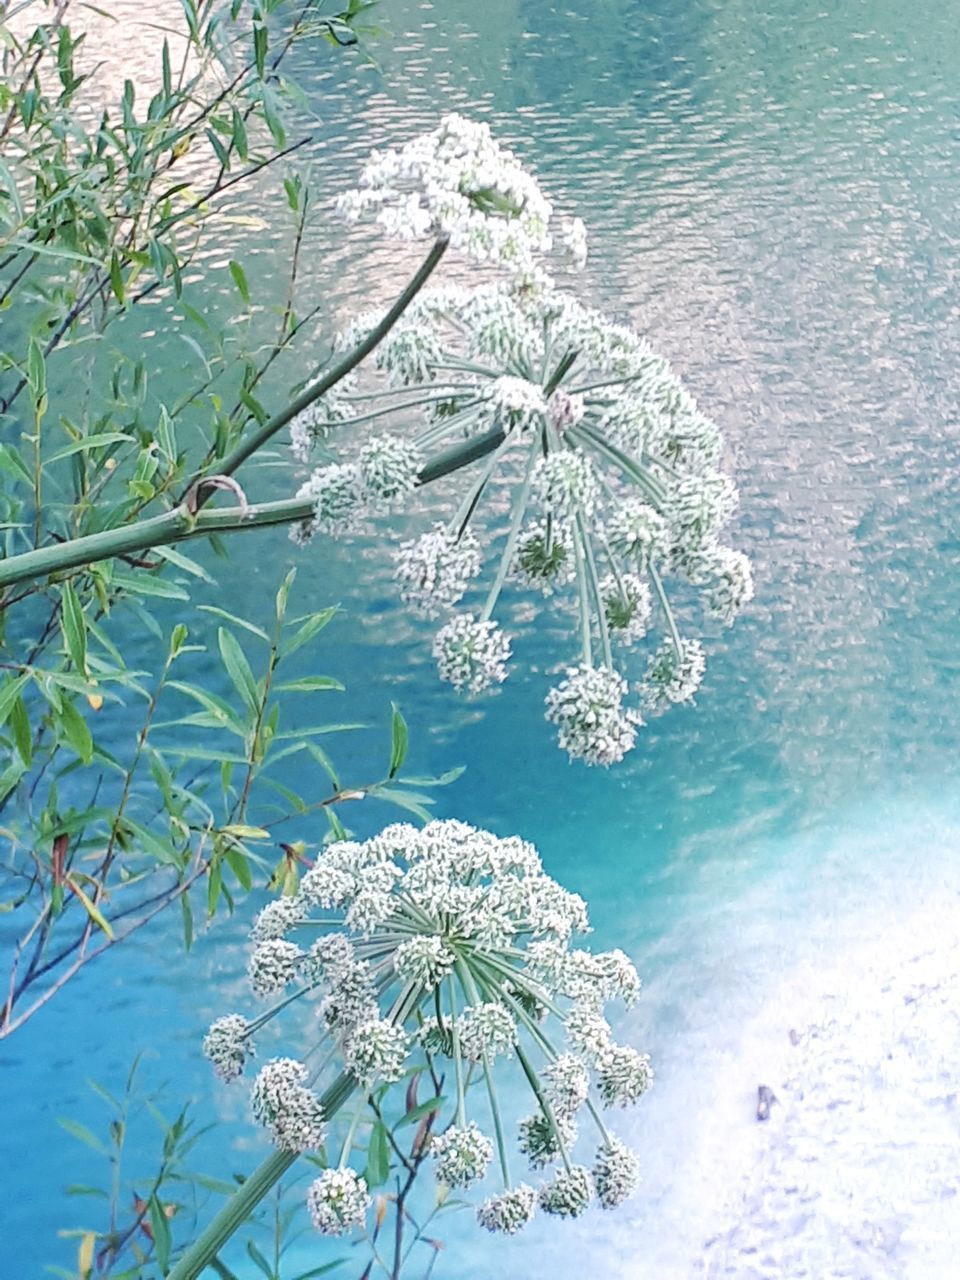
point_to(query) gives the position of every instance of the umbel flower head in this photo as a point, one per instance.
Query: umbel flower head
(458, 182)
(536, 403)
(445, 953)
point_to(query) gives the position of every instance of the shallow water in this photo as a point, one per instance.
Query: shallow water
(772, 199)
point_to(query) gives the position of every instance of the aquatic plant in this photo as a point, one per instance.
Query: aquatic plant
(448, 953)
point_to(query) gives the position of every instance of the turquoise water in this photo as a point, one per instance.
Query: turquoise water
(772, 198)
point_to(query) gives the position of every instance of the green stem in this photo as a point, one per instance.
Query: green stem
(519, 512)
(584, 605)
(179, 525)
(461, 455)
(262, 434)
(594, 584)
(245, 1199)
(534, 1082)
(458, 524)
(668, 612)
(157, 531)
(351, 1132)
(469, 986)
(457, 1059)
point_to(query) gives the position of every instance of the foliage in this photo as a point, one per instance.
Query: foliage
(137, 1214)
(109, 823)
(200, 799)
(140, 1212)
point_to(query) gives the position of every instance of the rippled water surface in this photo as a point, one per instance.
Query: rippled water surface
(772, 194)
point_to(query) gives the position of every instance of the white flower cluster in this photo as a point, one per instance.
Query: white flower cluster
(628, 606)
(463, 1155)
(283, 1103)
(614, 473)
(674, 675)
(385, 473)
(436, 569)
(228, 1045)
(471, 654)
(544, 556)
(565, 484)
(456, 181)
(338, 1201)
(449, 943)
(518, 403)
(587, 707)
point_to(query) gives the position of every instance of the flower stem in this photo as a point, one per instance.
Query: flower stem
(584, 605)
(470, 987)
(668, 612)
(594, 584)
(519, 511)
(245, 1199)
(261, 435)
(457, 1059)
(627, 465)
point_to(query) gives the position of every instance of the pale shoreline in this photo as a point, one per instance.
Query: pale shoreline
(857, 1171)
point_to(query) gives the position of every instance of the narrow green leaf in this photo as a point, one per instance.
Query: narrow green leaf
(116, 279)
(80, 1131)
(75, 730)
(161, 1233)
(424, 1109)
(97, 441)
(232, 617)
(378, 1156)
(74, 627)
(283, 595)
(221, 711)
(214, 885)
(145, 584)
(92, 910)
(14, 465)
(20, 724)
(411, 801)
(240, 867)
(399, 738)
(36, 375)
(260, 48)
(443, 780)
(186, 912)
(309, 684)
(237, 667)
(183, 562)
(240, 280)
(313, 625)
(257, 1257)
(9, 693)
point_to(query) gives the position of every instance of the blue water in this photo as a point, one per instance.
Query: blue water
(772, 198)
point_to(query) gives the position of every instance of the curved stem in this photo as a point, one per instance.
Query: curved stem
(256, 439)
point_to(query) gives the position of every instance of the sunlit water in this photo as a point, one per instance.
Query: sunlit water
(772, 199)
